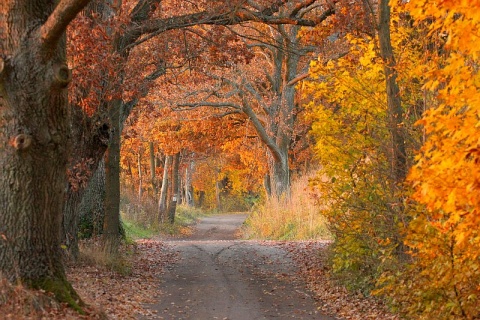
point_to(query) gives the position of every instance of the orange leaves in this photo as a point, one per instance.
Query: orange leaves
(444, 230)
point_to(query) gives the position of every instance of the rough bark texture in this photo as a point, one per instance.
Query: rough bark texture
(33, 141)
(92, 209)
(111, 225)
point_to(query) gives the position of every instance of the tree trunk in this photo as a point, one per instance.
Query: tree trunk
(87, 204)
(172, 207)
(140, 175)
(162, 201)
(188, 200)
(92, 207)
(153, 179)
(218, 200)
(280, 176)
(34, 135)
(398, 156)
(201, 198)
(267, 185)
(395, 110)
(111, 226)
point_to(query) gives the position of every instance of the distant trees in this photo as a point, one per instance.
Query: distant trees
(263, 90)
(117, 83)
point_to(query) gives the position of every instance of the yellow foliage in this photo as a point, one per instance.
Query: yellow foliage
(350, 126)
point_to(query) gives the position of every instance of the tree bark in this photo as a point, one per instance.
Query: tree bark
(34, 135)
(394, 103)
(111, 226)
(92, 207)
(172, 207)
(162, 201)
(140, 175)
(153, 179)
(86, 203)
(188, 200)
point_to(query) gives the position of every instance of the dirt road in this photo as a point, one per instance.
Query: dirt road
(219, 277)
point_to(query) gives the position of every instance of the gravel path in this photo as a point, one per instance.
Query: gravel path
(220, 277)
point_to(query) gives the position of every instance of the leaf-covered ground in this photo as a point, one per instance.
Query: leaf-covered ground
(108, 294)
(112, 295)
(311, 257)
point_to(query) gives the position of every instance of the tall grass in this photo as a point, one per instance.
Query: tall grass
(297, 218)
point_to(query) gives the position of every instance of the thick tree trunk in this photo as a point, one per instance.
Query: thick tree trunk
(172, 207)
(92, 207)
(111, 226)
(162, 201)
(34, 135)
(70, 222)
(280, 176)
(84, 203)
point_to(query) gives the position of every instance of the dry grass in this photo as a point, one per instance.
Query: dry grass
(298, 218)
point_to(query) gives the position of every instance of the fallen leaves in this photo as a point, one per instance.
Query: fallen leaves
(108, 294)
(310, 258)
(124, 296)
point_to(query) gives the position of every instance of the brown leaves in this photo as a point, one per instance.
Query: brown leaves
(123, 296)
(106, 292)
(311, 259)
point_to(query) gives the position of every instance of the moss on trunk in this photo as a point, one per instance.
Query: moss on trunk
(62, 290)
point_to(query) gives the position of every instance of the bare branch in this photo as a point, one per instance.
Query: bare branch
(152, 27)
(297, 79)
(260, 129)
(209, 104)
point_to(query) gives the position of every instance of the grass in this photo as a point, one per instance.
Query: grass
(185, 218)
(136, 231)
(297, 218)
(140, 220)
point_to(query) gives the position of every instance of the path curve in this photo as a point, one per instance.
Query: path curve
(218, 276)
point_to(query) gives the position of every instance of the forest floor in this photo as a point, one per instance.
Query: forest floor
(209, 274)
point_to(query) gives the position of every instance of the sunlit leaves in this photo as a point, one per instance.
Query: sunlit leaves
(349, 115)
(442, 282)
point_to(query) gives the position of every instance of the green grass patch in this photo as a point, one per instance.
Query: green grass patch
(136, 231)
(185, 218)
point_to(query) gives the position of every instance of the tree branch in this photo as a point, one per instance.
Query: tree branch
(153, 27)
(262, 133)
(210, 104)
(57, 22)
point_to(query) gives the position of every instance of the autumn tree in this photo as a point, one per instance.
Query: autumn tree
(441, 281)
(144, 21)
(35, 128)
(263, 90)
(363, 105)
